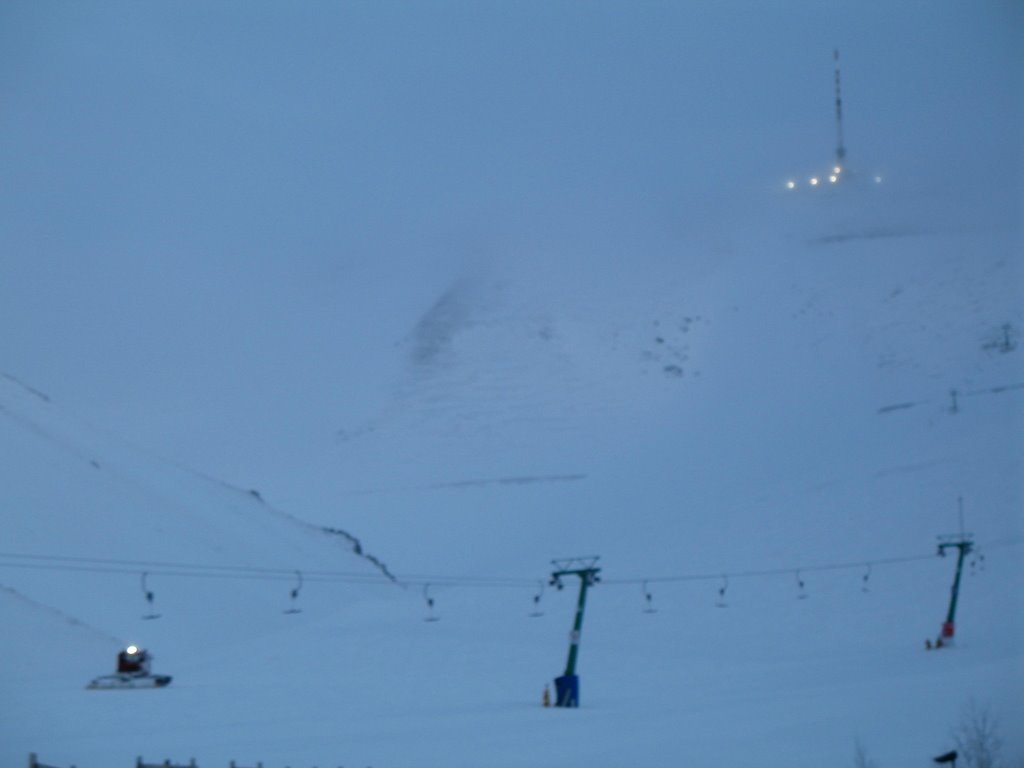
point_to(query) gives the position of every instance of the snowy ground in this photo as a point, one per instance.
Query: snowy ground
(811, 425)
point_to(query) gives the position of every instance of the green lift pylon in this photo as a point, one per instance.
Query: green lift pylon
(964, 545)
(567, 687)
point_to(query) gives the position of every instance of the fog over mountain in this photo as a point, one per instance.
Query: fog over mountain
(374, 309)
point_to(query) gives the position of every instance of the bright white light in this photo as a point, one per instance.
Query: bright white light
(837, 170)
(814, 181)
(131, 650)
(878, 179)
(833, 178)
(790, 184)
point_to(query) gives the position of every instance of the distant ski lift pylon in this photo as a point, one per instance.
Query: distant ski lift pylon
(149, 599)
(294, 594)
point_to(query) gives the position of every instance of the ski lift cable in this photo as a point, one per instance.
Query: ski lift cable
(782, 571)
(455, 581)
(225, 571)
(154, 565)
(267, 575)
(202, 569)
(257, 576)
(517, 583)
(1008, 541)
(717, 576)
(164, 568)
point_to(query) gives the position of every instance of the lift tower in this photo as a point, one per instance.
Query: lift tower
(963, 543)
(567, 687)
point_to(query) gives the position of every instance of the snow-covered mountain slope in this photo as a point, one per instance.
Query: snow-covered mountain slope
(462, 287)
(81, 499)
(772, 397)
(805, 362)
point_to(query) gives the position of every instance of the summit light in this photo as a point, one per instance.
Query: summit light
(814, 181)
(790, 184)
(131, 650)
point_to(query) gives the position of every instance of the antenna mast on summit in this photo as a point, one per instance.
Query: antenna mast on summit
(840, 149)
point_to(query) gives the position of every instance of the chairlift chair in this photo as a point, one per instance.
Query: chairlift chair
(149, 599)
(294, 594)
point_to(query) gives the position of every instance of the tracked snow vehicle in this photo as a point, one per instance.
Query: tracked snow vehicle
(132, 672)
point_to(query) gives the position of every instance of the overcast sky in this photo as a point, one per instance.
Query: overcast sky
(211, 210)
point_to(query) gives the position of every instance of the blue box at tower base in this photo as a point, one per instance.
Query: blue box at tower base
(567, 691)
